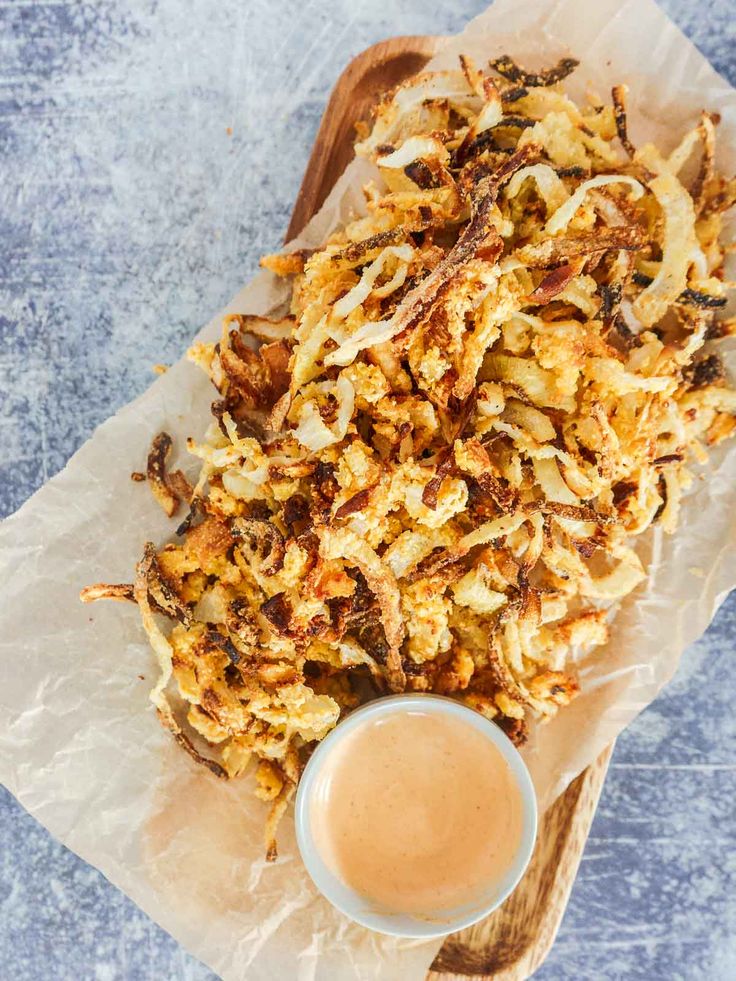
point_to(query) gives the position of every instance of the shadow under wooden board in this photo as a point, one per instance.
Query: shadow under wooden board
(511, 943)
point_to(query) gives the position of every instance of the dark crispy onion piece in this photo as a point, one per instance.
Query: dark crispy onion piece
(490, 186)
(382, 583)
(718, 329)
(223, 643)
(611, 296)
(324, 491)
(179, 485)
(460, 410)
(162, 648)
(513, 72)
(295, 510)
(355, 503)
(574, 171)
(487, 139)
(641, 279)
(514, 94)
(618, 93)
(516, 729)
(422, 175)
(722, 199)
(259, 377)
(554, 250)
(708, 371)
(553, 283)
(516, 122)
(188, 746)
(156, 473)
(194, 510)
(689, 297)
(707, 162)
(623, 330)
(435, 563)
(278, 612)
(432, 487)
(163, 594)
(262, 537)
(357, 251)
(695, 298)
(575, 512)
(499, 492)
(242, 628)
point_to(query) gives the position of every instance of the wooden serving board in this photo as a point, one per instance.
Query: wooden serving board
(511, 943)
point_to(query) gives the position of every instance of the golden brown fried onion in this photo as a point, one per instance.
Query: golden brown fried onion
(430, 474)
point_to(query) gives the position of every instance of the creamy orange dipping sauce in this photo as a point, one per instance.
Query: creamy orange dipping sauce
(417, 812)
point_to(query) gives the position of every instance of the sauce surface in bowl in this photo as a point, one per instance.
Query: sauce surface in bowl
(417, 812)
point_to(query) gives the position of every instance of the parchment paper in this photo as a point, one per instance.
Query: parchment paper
(80, 746)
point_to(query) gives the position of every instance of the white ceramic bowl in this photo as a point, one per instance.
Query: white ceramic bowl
(354, 905)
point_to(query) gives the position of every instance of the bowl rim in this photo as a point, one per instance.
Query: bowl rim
(349, 902)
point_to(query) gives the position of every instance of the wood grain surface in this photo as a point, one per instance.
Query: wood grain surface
(510, 944)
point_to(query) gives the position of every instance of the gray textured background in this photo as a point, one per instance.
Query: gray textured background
(127, 216)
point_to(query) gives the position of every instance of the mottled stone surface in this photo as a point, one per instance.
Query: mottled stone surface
(127, 216)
